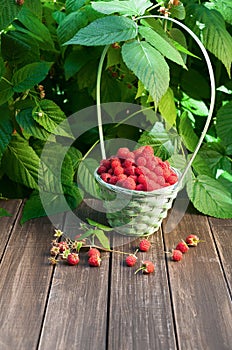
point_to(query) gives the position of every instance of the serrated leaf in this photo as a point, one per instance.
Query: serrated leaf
(209, 25)
(224, 123)
(161, 44)
(36, 28)
(103, 239)
(223, 6)
(30, 126)
(30, 75)
(49, 115)
(74, 5)
(187, 133)
(86, 176)
(75, 156)
(226, 179)
(6, 129)
(70, 25)
(130, 7)
(9, 11)
(4, 212)
(148, 65)
(101, 226)
(210, 160)
(167, 107)
(75, 61)
(104, 31)
(210, 197)
(21, 163)
(35, 6)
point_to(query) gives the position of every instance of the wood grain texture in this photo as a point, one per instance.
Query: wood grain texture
(7, 222)
(76, 316)
(222, 231)
(201, 301)
(140, 308)
(24, 284)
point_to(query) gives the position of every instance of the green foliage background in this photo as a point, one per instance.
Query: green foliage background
(149, 62)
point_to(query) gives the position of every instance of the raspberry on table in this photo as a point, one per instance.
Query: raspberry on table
(131, 260)
(144, 245)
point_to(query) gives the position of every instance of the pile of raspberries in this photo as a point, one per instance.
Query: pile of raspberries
(138, 170)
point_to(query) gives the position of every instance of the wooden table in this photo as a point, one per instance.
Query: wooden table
(183, 305)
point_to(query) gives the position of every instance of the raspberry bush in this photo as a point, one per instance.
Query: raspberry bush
(49, 57)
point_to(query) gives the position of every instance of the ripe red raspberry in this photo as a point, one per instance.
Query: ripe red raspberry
(102, 169)
(160, 180)
(122, 152)
(138, 171)
(182, 246)
(144, 245)
(94, 261)
(192, 240)
(115, 163)
(106, 177)
(172, 179)
(130, 156)
(131, 260)
(142, 180)
(63, 246)
(113, 180)
(152, 186)
(166, 173)
(140, 187)
(106, 163)
(121, 177)
(148, 150)
(73, 259)
(158, 170)
(141, 161)
(176, 255)
(147, 267)
(129, 183)
(127, 163)
(94, 251)
(118, 170)
(129, 170)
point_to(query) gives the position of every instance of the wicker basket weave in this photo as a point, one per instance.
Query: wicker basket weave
(136, 212)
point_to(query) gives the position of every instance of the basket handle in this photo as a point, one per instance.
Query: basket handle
(212, 99)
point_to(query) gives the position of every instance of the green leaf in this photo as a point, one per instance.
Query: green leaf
(195, 84)
(76, 60)
(35, 6)
(148, 65)
(210, 197)
(70, 25)
(167, 107)
(103, 239)
(6, 129)
(196, 107)
(187, 133)
(101, 226)
(74, 5)
(130, 7)
(226, 179)
(21, 162)
(4, 212)
(30, 75)
(223, 6)
(211, 160)
(36, 28)
(161, 44)
(224, 123)
(30, 126)
(104, 31)
(6, 91)
(9, 11)
(163, 142)
(178, 11)
(209, 25)
(87, 234)
(52, 118)
(86, 176)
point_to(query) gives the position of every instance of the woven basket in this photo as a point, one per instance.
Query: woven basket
(136, 212)
(140, 213)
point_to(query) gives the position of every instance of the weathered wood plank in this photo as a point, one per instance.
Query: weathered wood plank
(200, 296)
(7, 222)
(24, 284)
(76, 316)
(222, 230)
(140, 308)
